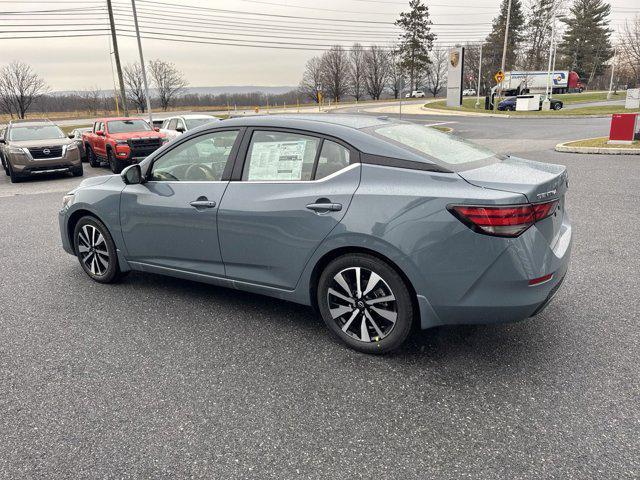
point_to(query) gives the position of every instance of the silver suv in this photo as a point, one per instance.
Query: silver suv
(34, 147)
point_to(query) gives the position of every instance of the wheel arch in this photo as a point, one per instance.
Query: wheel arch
(75, 217)
(328, 257)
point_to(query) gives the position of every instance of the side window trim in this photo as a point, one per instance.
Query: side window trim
(181, 140)
(241, 160)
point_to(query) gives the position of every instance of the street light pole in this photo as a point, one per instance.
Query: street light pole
(144, 70)
(116, 53)
(479, 77)
(504, 51)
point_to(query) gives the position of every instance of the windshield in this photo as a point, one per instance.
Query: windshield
(126, 126)
(35, 132)
(437, 145)
(196, 122)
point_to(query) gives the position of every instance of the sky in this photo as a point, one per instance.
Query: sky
(85, 62)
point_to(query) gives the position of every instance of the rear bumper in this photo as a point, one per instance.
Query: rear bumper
(502, 294)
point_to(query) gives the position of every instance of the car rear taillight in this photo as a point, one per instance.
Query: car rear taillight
(503, 220)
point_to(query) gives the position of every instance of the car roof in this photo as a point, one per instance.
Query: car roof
(111, 119)
(194, 116)
(352, 129)
(31, 122)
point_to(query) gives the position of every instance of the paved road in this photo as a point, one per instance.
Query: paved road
(162, 378)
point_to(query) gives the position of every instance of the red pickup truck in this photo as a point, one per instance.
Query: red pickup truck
(121, 142)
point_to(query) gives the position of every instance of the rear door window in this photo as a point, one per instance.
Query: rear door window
(280, 156)
(333, 158)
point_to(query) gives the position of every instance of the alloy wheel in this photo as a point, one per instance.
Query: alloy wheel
(362, 304)
(92, 248)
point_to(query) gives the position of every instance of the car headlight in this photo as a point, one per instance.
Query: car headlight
(72, 146)
(16, 151)
(67, 200)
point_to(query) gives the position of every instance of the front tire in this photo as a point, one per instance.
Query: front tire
(77, 171)
(116, 165)
(15, 178)
(91, 156)
(365, 303)
(96, 250)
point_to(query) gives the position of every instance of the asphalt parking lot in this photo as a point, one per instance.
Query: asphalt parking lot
(162, 378)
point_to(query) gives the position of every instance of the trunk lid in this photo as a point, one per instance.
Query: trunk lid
(537, 181)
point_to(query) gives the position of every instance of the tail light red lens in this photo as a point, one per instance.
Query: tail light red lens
(502, 221)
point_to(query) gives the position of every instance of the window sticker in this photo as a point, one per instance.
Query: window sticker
(277, 160)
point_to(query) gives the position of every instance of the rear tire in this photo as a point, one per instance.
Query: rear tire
(96, 250)
(356, 315)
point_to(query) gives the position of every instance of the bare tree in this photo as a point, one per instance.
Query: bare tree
(168, 80)
(311, 79)
(397, 77)
(92, 99)
(335, 72)
(134, 82)
(356, 72)
(629, 48)
(437, 74)
(20, 86)
(377, 71)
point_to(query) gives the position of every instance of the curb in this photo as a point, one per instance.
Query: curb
(506, 115)
(563, 147)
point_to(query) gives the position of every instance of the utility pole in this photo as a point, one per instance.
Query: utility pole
(504, 51)
(613, 69)
(144, 70)
(117, 55)
(479, 77)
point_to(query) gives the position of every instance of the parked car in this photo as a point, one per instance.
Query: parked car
(76, 136)
(378, 223)
(36, 147)
(467, 92)
(175, 126)
(509, 104)
(121, 142)
(415, 94)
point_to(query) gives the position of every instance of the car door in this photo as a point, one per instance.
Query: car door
(290, 191)
(170, 220)
(99, 147)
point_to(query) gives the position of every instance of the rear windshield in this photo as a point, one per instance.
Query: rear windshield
(196, 122)
(434, 144)
(36, 132)
(125, 126)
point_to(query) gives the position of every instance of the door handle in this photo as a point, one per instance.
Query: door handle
(325, 207)
(202, 204)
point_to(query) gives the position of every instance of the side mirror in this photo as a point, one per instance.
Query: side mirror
(180, 129)
(71, 136)
(156, 129)
(2, 140)
(100, 133)
(132, 175)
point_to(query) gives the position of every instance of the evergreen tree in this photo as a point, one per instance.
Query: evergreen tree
(416, 42)
(586, 43)
(493, 46)
(538, 35)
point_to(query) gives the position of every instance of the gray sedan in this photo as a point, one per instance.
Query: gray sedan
(379, 224)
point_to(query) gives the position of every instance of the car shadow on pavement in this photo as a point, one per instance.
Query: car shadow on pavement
(514, 344)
